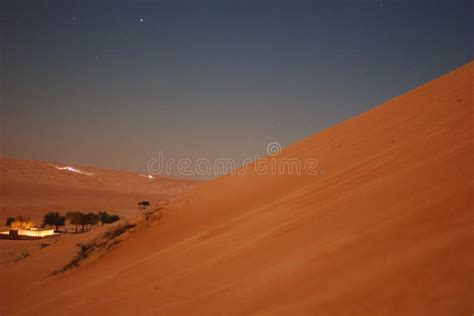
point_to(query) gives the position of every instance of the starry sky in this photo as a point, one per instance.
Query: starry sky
(113, 83)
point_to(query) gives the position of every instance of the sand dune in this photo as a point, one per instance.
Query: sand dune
(385, 228)
(32, 188)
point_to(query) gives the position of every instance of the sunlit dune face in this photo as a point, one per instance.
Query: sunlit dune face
(68, 168)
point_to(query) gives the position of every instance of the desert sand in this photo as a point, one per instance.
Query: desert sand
(385, 228)
(33, 188)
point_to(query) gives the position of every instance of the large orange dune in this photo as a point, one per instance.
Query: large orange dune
(384, 228)
(32, 188)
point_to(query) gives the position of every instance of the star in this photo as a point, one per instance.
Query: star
(141, 20)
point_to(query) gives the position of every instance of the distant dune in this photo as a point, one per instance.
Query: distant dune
(32, 188)
(385, 228)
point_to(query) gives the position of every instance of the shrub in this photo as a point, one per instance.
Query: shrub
(143, 204)
(104, 243)
(117, 231)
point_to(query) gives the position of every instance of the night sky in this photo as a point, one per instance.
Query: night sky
(112, 83)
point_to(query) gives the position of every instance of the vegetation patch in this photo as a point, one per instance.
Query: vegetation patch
(22, 255)
(109, 239)
(99, 245)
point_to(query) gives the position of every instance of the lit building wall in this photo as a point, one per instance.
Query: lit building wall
(36, 233)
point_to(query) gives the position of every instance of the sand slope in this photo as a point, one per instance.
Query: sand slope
(386, 230)
(32, 188)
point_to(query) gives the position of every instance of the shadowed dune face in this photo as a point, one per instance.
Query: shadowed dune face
(386, 229)
(33, 188)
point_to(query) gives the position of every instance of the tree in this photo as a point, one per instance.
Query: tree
(54, 219)
(21, 222)
(143, 204)
(92, 219)
(106, 218)
(83, 220)
(113, 218)
(9, 221)
(74, 218)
